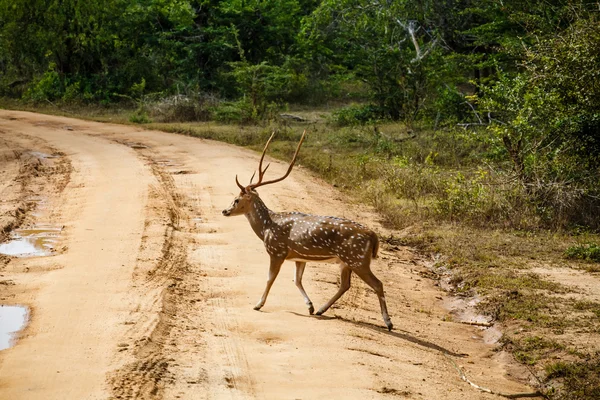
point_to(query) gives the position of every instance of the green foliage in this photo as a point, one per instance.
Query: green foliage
(587, 252)
(140, 116)
(465, 198)
(231, 112)
(530, 349)
(451, 105)
(264, 86)
(578, 380)
(397, 58)
(357, 115)
(47, 87)
(545, 119)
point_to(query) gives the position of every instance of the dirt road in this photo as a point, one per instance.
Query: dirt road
(149, 292)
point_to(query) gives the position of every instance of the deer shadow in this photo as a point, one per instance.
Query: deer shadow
(396, 333)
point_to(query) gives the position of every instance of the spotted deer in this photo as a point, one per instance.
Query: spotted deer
(302, 238)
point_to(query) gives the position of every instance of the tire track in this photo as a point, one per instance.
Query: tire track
(233, 378)
(148, 371)
(34, 174)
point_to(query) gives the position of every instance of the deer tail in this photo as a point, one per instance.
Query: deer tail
(375, 244)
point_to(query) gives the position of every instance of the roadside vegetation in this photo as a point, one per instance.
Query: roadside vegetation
(471, 126)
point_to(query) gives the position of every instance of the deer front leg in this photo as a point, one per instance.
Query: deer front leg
(344, 286)
(300, 265)
(273, 272)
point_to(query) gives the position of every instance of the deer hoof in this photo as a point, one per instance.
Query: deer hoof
(257, 307)
(311, 309)
(319, 312)
(390, 326)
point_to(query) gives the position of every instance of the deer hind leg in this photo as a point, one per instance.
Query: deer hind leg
(344, 286)
(273, 272)
(300, 265)
(366, 275)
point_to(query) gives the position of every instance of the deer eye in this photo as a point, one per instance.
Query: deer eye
(236, 201)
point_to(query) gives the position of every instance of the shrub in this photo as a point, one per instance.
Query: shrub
(140, 116)
(263, 87)
(465, 197)
(451, 105)
(357, 115)
(237, 111)
(587, 252)
(47, 87)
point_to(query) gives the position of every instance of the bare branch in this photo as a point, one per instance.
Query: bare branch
(475, 112)
(412, 30)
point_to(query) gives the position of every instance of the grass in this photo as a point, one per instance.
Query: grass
(471, 216)
(531, 349)
(575, 380)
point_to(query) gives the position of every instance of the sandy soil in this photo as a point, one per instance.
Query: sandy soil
(149, 293)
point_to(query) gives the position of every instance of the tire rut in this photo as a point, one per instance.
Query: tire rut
(233, 378)
(35, 174)
(147, 370)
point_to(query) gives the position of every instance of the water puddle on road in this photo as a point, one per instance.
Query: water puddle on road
(12, 320)
(463, 310)
(32, 242)
(43, 156)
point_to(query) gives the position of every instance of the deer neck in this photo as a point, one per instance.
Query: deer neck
(259, 217)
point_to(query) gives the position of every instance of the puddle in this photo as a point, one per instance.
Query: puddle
(12, 320)
(39, 154)
(40, 205)
(34, 242)
(463, 311)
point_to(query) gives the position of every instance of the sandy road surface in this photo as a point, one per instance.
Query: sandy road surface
(149, 293)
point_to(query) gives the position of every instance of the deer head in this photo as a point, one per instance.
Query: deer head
(244, 202)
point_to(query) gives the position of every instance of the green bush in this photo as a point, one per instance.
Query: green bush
(587, 252)
(357, 115)
(465, 197)
(140, 116)
(48, 87)
(263, 88)
(232, 112)
(451, 106)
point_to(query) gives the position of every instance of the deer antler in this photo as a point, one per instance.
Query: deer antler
(239, 184)
(261, 171)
